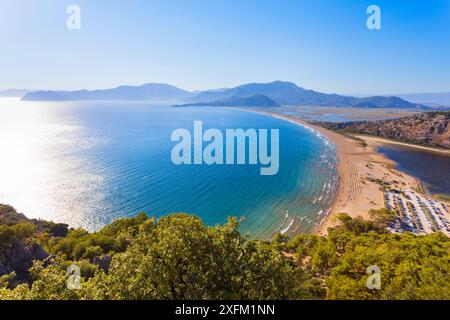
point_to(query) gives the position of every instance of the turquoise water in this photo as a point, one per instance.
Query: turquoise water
(89, 163)
(431, 168)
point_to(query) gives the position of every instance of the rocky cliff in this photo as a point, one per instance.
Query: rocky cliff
(17, 252)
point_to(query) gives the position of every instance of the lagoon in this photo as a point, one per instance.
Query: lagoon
(431, 168)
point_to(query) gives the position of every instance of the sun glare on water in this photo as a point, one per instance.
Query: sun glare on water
(36, 174)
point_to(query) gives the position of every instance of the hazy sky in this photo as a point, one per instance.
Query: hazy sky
(200, 44)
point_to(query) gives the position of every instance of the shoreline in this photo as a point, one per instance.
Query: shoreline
(349, 196)
(361, 170)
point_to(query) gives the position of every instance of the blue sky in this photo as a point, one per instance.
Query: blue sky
(199, 44)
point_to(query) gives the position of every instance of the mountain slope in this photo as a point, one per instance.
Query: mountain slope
(385, 102)
(287, 93)
(150, 91)
(281, 92)
(429, 129)
(257, 100)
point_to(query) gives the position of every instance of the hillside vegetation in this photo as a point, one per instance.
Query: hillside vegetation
(428, 129)
(178, 257)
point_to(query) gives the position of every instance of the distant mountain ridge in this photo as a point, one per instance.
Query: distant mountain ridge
(280, 92)
(386, 102)
(284, 93)
(288, 93)
(435, 98)
(151, 91)
(257, 100)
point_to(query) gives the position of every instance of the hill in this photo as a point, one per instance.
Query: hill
(429, 129)
(435, 98)
(288, 93)
(386, 102)
(257, 100)
(152, 91)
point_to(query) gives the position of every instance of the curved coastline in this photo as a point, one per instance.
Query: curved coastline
(360, 169)
(110, 182)
(341, 164)
(331, 138)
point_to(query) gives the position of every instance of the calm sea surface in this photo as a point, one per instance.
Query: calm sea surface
(89, 163)
(431, 168)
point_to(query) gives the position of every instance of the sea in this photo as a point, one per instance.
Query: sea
(89, 163)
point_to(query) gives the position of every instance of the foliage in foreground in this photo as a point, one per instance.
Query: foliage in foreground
(178, 257)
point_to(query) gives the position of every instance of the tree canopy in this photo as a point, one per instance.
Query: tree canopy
(178, 257)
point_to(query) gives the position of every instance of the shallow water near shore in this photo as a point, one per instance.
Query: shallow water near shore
(88, 163)
(431, 168)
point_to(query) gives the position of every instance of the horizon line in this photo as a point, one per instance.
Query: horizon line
(355, 94)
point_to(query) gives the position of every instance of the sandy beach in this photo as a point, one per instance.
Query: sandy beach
(361, 170)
